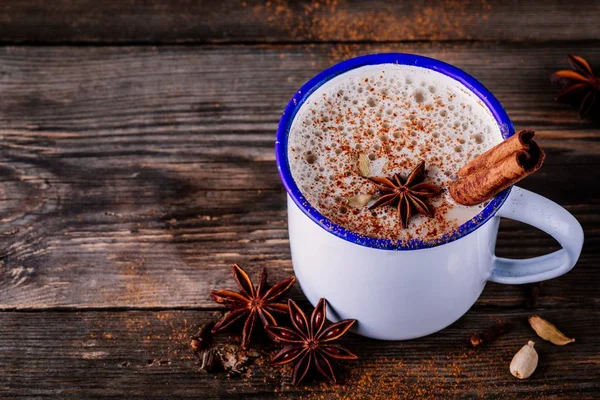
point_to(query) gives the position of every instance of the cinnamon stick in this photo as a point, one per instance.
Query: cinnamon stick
(498, 168)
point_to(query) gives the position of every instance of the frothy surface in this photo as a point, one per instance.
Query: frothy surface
(397, 115)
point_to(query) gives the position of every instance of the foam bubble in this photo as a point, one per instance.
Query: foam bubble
(419, 96)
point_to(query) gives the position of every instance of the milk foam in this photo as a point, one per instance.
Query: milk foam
(397, 115)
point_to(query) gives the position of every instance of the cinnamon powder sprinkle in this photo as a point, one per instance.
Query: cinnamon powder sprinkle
(339, 20)
(396, 117)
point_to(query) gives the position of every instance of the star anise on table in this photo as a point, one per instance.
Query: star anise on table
(407, 196)
(251, 302)
(581, 87)
(309, 343)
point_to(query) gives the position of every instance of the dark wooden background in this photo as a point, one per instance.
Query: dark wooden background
(136, 165)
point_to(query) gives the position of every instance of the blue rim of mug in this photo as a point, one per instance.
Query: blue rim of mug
(281, 147)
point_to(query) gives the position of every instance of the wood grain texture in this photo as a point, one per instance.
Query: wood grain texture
(258, 21)
(134, 177)
(147, 355)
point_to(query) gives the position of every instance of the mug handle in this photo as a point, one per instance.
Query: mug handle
(533, 209)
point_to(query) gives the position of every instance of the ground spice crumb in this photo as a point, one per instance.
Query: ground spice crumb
(532, 293)
(491, 333)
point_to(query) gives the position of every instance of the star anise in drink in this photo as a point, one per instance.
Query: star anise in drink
(251, 302)
(407, 196)
(581, 87)
(309, 343)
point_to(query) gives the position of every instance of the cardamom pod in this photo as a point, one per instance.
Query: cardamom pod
(524, 362)
(360, 200)
(364, 165)
(548, 331)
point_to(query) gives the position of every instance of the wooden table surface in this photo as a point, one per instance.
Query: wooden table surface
(137, 164)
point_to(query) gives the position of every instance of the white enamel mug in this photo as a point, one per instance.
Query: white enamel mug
(404, 290)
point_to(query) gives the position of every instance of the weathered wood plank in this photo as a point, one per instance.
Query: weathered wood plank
(134, 177)
(258, 21)
(147, 355)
